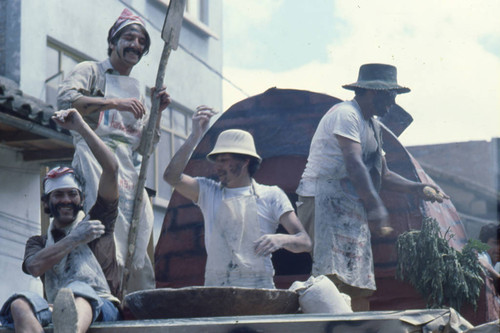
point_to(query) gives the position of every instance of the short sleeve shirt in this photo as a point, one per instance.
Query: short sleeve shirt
(272, 203)
(325, 160)
(103, 248)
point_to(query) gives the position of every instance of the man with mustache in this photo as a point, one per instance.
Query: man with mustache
(338, 199)
(112, 103)
(240, 215)
(76, 258)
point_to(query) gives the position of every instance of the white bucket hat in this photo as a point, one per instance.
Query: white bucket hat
(234, 141)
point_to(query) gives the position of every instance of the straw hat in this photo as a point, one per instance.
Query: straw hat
(377, 77)
(234, 141)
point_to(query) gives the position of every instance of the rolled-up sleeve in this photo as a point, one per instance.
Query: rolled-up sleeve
(80, 82)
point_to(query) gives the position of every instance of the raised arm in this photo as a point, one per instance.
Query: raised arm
(184, 184)
(108, 184)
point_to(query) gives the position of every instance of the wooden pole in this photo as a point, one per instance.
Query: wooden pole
(147, 141)
(170, 34)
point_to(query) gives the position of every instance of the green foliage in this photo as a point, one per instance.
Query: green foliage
(441, 274)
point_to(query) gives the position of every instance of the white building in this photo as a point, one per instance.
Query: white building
(40, 42)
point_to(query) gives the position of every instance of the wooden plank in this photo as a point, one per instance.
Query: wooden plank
(173, 23)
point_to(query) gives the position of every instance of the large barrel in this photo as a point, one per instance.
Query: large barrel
(283, 122)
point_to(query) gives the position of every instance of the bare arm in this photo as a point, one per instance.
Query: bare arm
(184, 184)
(395, 182)
(90, 104)
(297, 240)
(85, 232)
(108, 184)
(490, 269)
(360, 178)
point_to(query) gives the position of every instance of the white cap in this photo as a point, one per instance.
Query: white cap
(60, 177)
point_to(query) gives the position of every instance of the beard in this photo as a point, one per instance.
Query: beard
(54, 210)
(234, 170)
(222, 176)
(381, 104)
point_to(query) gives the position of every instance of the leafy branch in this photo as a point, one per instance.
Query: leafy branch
(441, 274)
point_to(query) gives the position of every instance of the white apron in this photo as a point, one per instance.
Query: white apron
(79, 265)
(342, 244)
(231, 258)
(121, 132)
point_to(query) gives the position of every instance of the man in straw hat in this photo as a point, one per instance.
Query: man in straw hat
(241, 216)
(113, 104)
(339, 202)
(76, 258)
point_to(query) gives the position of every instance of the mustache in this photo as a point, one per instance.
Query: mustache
(133, 50)
(54, 209)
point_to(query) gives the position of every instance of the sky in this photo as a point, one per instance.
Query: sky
(447, 52)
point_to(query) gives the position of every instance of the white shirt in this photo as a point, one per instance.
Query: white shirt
(272, 203)
(486, 256)
(325, 159)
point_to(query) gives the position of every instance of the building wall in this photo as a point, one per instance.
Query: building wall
(468, 172)
(81, 28)
(19, 219)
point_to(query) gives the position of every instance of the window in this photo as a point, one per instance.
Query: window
(175, 127)
(59, 63)
(198, 9)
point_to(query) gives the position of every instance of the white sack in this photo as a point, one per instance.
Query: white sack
(320, 295)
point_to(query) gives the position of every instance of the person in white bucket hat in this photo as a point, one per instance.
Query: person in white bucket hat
(339, 200)
(241, 216)
(76, 257)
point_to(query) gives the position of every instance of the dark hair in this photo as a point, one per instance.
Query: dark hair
(489, 231)
(114, 40)
(253, 163)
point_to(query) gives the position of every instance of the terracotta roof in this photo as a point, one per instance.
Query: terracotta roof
(25, 125)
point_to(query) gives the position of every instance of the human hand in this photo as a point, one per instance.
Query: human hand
(163, 96)
(267, 244)
(201, 119)
(431, 193)
(378, 221)
(132, 105)
(69, 119)
(87, 231)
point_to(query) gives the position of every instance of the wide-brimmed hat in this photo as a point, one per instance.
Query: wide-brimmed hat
(377, 77)
(234, 141)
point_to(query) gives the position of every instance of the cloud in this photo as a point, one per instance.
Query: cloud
(444, 51)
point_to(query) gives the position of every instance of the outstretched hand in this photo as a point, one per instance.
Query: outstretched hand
(201, 119)
(69, 119)
(431, 193)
